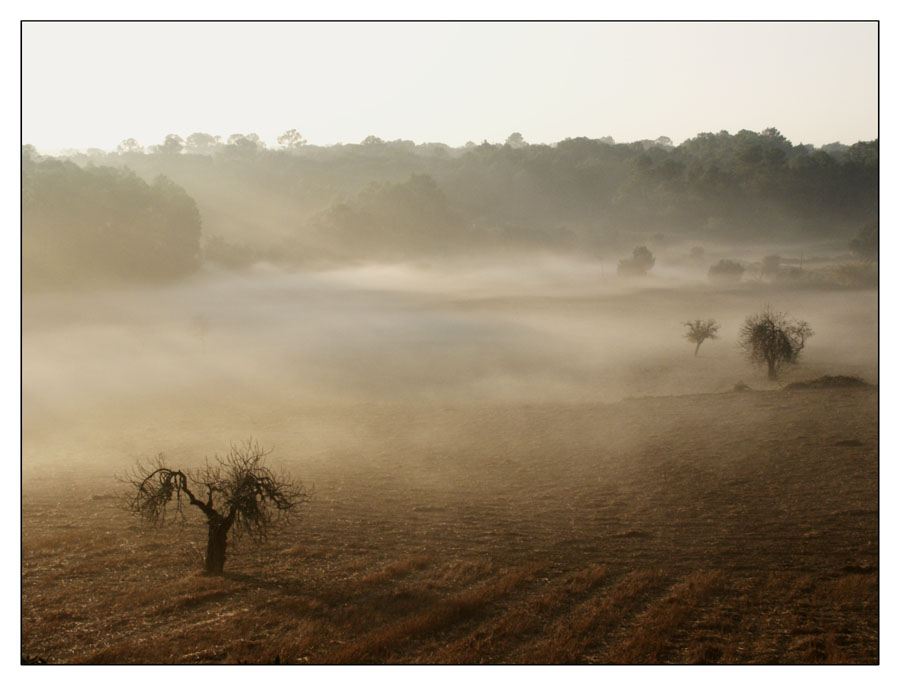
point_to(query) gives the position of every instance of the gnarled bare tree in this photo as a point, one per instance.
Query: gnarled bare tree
(237, 492)
(699, 330)
(770, 338)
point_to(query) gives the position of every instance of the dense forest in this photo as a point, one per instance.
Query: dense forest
(91, 213)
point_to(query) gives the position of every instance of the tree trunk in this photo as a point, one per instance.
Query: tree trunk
(697, 349)
(215, 548)
(773, 374)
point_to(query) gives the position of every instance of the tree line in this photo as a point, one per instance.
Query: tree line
(394, 199)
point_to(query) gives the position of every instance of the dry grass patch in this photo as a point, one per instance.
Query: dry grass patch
(497, 636)
(397, 570)
(651, 631)
(568, 639)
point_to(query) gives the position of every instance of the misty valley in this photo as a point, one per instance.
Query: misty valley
(590, 402)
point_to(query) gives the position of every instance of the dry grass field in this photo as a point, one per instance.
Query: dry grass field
(705, 528)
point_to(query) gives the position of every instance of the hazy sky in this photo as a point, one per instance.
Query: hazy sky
(95, 84)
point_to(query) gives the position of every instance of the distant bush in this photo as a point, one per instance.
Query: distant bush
(640, 262)
(726, 271)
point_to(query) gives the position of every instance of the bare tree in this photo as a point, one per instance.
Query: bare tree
(238, 491)
(770, 338)
(699, 331)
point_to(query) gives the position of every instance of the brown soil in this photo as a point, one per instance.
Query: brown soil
(718, 528)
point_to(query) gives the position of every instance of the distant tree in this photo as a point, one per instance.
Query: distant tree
(372, 140)
(515, 140)
(640, 262)
(865, 244)
(770, 338)
(863, 153)
(238, 491)
(243, 146)
(291, 140)
(836, 149)
(129, 145)
(30, 153)
(173, 145)
(201, 143)
(726, 271)
(773, 134)
(700, 330)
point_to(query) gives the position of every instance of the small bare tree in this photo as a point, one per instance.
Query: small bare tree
(770, 338)
(238, 491)
(699, 331)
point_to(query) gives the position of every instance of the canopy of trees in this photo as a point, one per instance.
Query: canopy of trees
(392, 220)
(101, 224)
(578, 194)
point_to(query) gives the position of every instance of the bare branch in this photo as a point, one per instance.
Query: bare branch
(241, 493)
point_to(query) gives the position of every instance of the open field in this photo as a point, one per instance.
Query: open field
(743, 528)
(519, 478)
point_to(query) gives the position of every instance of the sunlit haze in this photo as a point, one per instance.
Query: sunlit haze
(449, 343)
(95, 84)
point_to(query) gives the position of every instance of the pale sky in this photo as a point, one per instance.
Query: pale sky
(95, 84)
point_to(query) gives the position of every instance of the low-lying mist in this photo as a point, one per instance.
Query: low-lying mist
(314, 358)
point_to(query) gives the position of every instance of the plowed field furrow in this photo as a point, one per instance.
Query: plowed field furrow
(754, 543)
(492, 640)
(566, 639)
